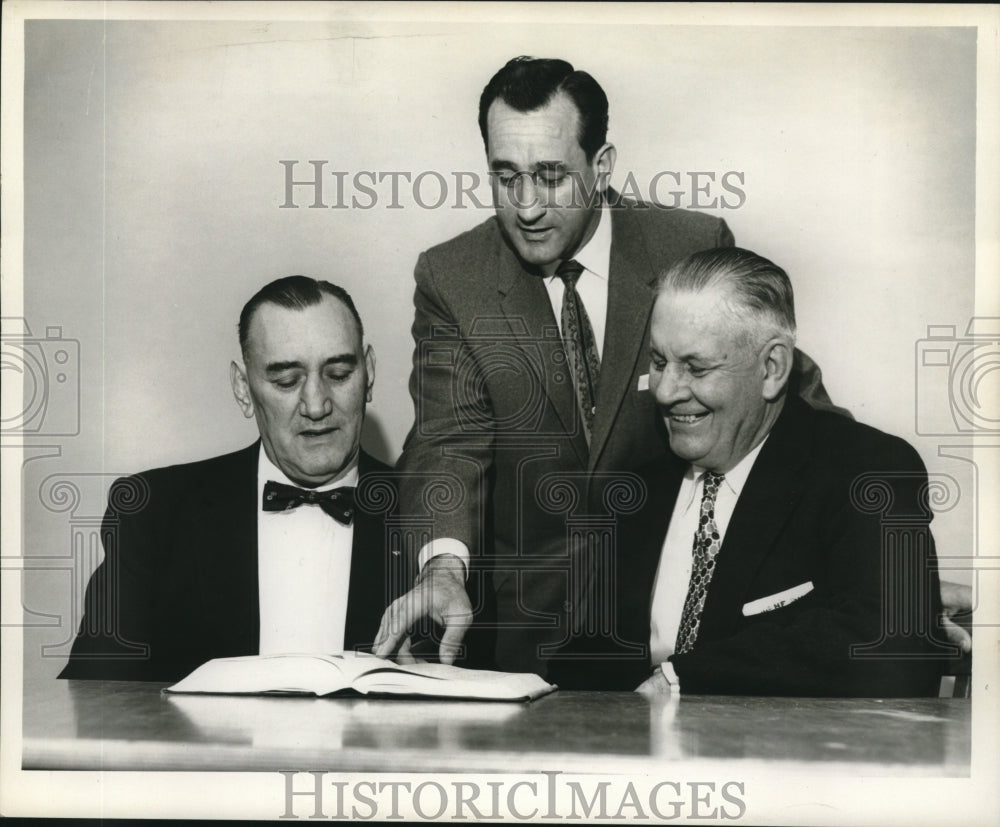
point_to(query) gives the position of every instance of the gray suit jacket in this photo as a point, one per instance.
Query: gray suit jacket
(497, 458)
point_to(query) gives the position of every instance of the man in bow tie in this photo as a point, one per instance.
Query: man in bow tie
(280, 547)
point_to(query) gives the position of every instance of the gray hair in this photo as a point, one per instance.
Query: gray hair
(758, 291)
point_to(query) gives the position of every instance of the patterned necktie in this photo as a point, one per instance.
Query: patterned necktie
(580, 345)
(706, 548)
(337, 502)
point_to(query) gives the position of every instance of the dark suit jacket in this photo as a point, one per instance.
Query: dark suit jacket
(828, 501)
(497, 423)
(178, 585)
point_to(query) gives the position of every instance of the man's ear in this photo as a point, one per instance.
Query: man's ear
(241, 388)
(370, 371)
(604, 165)
(777, 355)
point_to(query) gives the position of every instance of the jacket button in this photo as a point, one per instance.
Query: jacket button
(567, 606)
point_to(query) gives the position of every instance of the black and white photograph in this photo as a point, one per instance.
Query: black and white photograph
(505, 412)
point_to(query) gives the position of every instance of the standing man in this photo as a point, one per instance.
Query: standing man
(531, 334)
(270, 549)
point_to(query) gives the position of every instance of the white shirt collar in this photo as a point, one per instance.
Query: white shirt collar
(267, 470)
(735, 477)
(595, 255)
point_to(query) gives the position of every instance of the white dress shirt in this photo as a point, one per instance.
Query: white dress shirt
(673, 574)
(304, 570)
(592, 287)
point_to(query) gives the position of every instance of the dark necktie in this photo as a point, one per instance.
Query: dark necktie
(580, 345)
(706, 548)
(337, 502)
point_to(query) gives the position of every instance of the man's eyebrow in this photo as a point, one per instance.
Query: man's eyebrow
(278, 367)
(342, 359)
(543, 166)
(350, 359)
(687, 356)
(697, 356)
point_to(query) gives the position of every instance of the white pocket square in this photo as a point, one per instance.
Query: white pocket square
(643, 382)
(776, 601)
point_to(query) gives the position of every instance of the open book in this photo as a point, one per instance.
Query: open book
(367, 674)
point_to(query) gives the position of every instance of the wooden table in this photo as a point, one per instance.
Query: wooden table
(131, 726)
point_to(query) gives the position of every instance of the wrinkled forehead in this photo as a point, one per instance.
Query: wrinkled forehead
(319, 330)
(553, 129)
(682, 317)
(702, 304)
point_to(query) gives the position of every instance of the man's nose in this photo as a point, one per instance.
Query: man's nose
(315, 401)
(528, 199)
(670, 386)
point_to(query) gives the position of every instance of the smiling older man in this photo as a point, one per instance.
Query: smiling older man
(777, 574)
(265, 550)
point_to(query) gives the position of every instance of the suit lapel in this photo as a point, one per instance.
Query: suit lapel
(372, 578)
(767, 501)
(224, 541)
(640, 555)
(630, 299)
(224, 548)
(526, 305)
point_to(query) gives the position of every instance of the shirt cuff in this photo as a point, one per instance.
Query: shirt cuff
(445, 545)
(667, 668)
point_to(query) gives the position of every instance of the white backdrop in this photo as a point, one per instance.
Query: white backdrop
(154, 192)
(866, 142)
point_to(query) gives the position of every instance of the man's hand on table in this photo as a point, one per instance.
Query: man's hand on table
(655, 686)
(439, 593)
(956, 600)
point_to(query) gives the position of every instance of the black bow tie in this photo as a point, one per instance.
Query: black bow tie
(337, 502)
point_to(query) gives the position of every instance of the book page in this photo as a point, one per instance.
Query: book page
(318, 674)
(438, 679)
(305, 673)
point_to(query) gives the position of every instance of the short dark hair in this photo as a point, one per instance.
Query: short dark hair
(528, 83)
(760, 291)
(294, 293)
